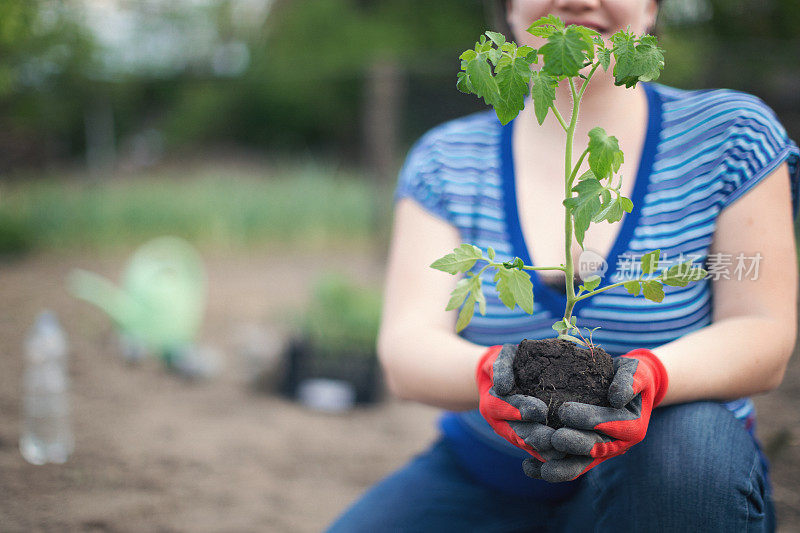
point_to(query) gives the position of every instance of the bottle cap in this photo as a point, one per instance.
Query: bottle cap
(46, 339)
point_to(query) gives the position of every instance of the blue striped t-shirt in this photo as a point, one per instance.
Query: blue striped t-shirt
(702, 151)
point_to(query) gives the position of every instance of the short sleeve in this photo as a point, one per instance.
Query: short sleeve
(757, 145)
(420, 178)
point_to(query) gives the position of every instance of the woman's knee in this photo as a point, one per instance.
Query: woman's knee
(697, 465)
(704, 438)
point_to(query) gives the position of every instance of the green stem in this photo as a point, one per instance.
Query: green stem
(525, 267)
(586, 82)
(486, 266)
(577, 168)
(607, 287)
(561, 268)
(558, 116)
(569, 270)
(602, 289)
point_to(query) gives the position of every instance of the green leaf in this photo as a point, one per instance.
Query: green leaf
(565, 53)
(468, 55)
(498, 38)
(513, 77)
(588, 35)
(532, 56)
(584, 206)
(546, 26)
(633, 287)
(636, 59)
(625, 59)
(465, 315)
(611, 210)
(604, 57)
(561, 325)
(494, 55)
(682, 274)
(477, 291)
(481, 80)
(605, 157)
(572, 338)
(467, 286)
(650, 58)
(626, 204)
(650, 261)
(463, 83)
(462, 259)
(459, 294)
(526, 51)
(653, 291)
(592, 282)
(649, 40)
(698, 274)
(490, 253)
(588, 187)
(514, 287)
(514, 263)
(544, 94)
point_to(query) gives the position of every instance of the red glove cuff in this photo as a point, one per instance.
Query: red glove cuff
(656, 370)
(484, 367)
(495, 411)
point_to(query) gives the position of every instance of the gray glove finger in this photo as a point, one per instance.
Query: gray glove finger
(550, 455)
(532, 468)
(576, 441)
(585, 416)
(564, 469)
(535, 435)
(503, 369)
(621, 390)
(531, 409)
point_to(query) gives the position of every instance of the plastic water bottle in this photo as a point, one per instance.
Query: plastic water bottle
(46, 435)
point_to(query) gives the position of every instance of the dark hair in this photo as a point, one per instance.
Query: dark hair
(497, 9)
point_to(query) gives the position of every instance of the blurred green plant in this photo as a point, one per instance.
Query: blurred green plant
(749, 45)
(301, 52)
(342, 317)
(303, 206)
(16, 237)
(301, 82)
(45, 53)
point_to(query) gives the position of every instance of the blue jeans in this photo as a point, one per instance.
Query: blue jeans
(698, 469)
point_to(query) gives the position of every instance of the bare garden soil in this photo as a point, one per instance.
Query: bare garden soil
(157, 453)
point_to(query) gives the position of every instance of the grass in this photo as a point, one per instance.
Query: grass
(212, 207)
(342, 317)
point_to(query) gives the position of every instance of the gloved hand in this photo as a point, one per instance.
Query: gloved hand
(516, 417)
(592, 434)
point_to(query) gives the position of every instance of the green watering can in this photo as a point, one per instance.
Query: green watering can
(162, 299)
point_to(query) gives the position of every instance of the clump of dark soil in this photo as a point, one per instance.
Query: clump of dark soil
(558, 371)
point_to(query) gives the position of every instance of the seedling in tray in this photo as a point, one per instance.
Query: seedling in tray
(503, 74)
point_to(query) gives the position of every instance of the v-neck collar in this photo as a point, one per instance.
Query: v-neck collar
(549, 297)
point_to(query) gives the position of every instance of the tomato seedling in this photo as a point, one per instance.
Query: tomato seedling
(504, 75)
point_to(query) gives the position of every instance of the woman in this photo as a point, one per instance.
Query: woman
(712, 176)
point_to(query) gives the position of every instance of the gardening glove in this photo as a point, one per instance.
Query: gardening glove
(592, 434)
(516, 417)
